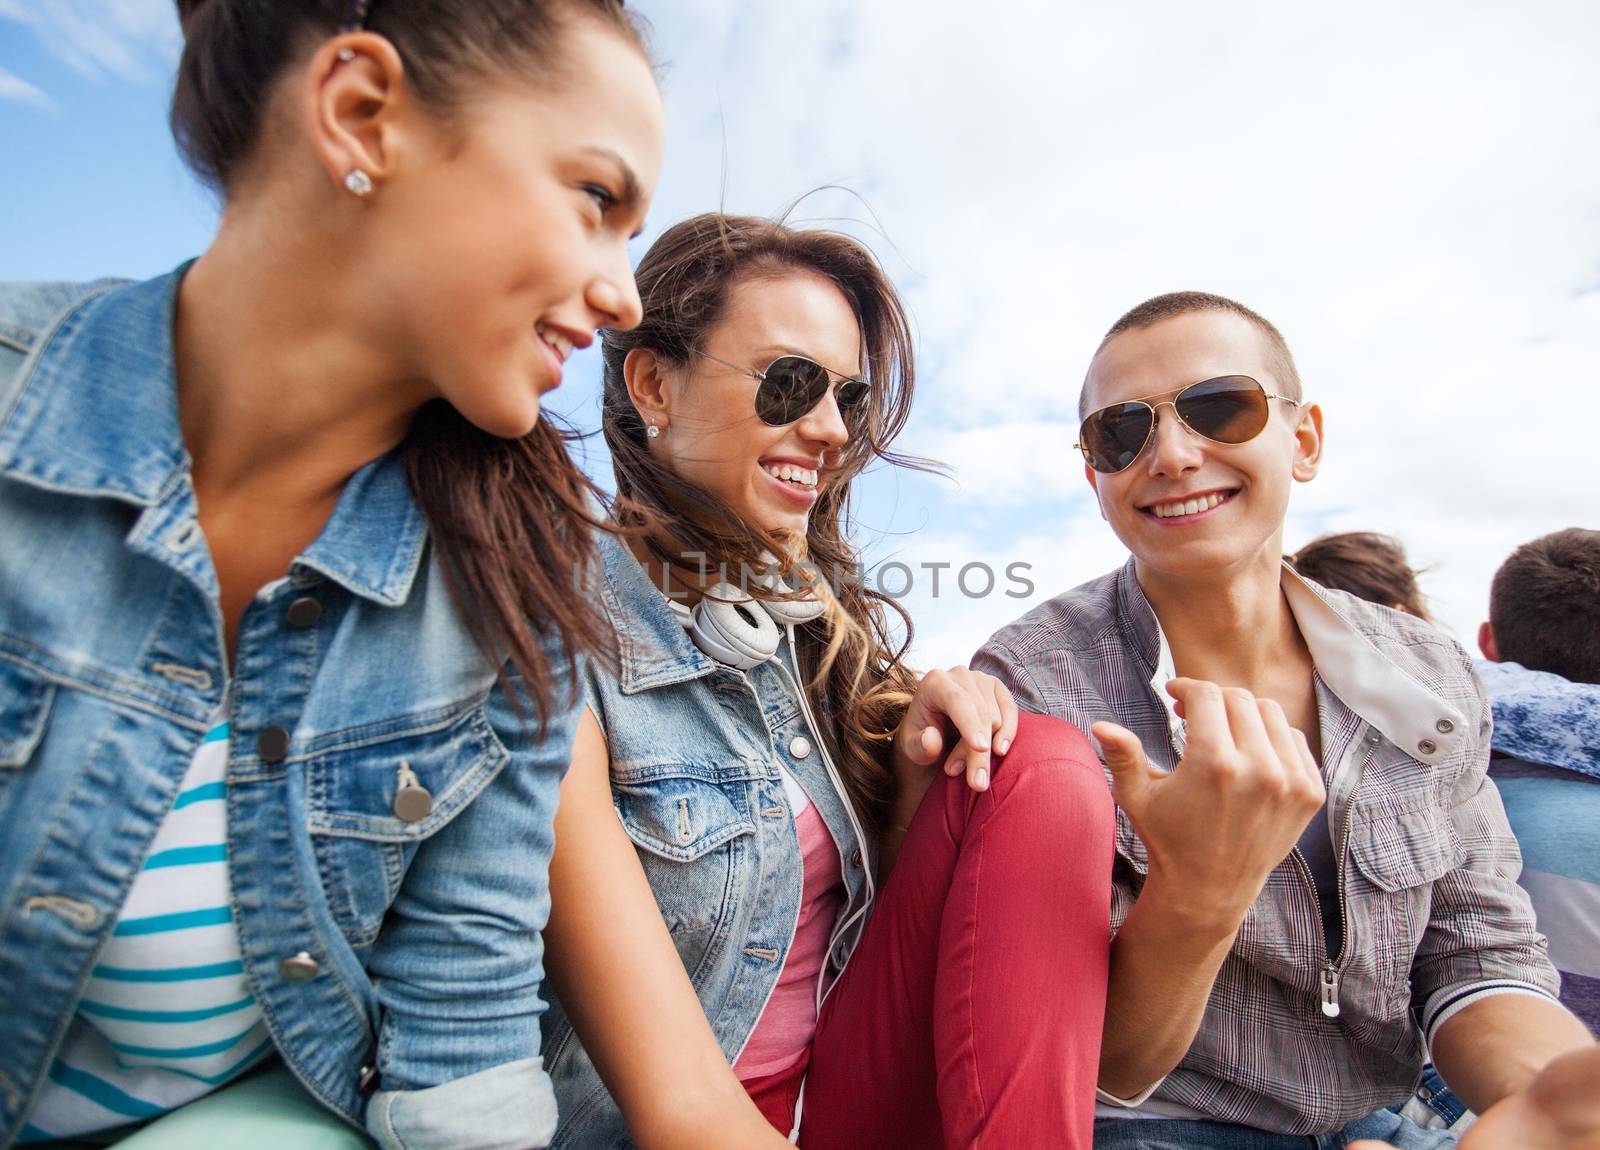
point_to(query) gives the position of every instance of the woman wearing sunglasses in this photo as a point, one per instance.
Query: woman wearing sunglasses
(756, 821)
(287, 632)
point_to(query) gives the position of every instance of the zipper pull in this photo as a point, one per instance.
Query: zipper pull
(1330, 991)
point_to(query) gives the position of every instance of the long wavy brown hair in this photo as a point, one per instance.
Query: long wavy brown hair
(849, 656)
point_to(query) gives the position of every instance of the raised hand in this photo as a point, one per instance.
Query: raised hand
(1241, 795)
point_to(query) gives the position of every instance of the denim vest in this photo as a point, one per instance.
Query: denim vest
(384, 952)
(696, 749)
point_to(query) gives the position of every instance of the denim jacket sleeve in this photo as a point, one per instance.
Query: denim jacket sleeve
(459, 962)
(1481, 938)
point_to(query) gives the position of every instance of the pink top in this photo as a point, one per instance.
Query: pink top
(784, 1030)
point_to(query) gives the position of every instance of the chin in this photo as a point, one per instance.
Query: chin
(509, 422)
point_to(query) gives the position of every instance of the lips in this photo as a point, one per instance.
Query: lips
(804, 478)
(555, 340)
(1183, 507)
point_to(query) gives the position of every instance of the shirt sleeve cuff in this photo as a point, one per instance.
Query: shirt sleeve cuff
(1445, 1004)
(507, 1107)
(1133, 1103)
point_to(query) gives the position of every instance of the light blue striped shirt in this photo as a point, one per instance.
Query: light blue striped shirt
(167, 1015)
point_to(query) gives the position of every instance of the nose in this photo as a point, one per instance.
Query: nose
(1173, 449)
(824, 423)
(614, 294)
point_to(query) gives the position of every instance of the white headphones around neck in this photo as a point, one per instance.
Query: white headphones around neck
(739, 630)
(743, 632)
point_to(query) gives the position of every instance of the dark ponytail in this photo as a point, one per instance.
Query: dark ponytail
(511, 519)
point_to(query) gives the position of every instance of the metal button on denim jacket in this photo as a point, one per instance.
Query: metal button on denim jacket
(695, 751)
(353, 915)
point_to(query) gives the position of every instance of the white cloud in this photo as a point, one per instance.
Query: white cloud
(1405, 190)
(124, 39)
(14, 89)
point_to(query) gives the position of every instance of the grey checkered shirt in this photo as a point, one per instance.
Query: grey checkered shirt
(1295, 1040)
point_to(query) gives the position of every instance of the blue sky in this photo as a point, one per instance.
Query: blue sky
(1407, 191)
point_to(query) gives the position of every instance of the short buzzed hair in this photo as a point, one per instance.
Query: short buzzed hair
(1544, 605)
(1176, 303)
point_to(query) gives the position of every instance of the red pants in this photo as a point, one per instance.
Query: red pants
(970, 1014)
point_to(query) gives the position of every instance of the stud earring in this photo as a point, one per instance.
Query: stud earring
(346, 55)
(358, 183)
(653, 431)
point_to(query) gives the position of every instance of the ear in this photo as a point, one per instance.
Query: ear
(357, 106)
(1307, 443)
(1486, 643)
(648, 377)
(1093, 477)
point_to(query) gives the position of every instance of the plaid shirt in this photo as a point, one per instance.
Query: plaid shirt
(1295, 1040)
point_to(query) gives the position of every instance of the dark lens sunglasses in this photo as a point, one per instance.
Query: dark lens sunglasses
(1228, 409)
(792, 385)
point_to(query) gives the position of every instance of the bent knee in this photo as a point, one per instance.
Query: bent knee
(1051, 757)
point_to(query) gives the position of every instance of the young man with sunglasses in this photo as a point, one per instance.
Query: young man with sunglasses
(1296, 914)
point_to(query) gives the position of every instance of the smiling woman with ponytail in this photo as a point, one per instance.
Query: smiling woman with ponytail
(291, 572)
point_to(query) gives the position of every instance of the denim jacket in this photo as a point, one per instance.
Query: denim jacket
(695, 749)
(390, 956)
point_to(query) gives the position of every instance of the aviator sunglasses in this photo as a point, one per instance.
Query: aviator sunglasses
(1228, 409)
(792, 385)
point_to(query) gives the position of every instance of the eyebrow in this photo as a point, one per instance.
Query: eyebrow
(629, 200)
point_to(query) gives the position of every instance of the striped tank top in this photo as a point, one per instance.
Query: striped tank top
(167, 1015)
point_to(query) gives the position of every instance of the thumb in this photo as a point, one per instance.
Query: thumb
(1125, 758)
(926, 746)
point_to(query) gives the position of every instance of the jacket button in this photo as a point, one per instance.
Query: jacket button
(1444, 726)
(413, 804)
(272, 744)
(304, 612)
(412, 801)
(799, 746)
(855, 857)
(367, 1079)
(298, 968)
(1427, 746)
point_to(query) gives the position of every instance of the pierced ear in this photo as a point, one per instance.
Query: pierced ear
(355, 93)
(1308, 443)
(647, 377)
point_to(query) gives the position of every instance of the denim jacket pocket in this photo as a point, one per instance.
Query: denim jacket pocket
(24, 706)
(1400, 855)
(689, 833)
(370, 802)
(680, 819)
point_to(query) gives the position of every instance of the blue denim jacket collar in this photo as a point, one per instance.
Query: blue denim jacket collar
(66, 429)
(653, 648)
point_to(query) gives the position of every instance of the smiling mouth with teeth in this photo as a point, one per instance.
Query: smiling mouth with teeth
(1178, 507)
(558, 343)
(802, 477)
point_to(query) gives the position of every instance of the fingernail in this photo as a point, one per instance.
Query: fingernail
(1005, 745)
(982, 778)
(955, 768)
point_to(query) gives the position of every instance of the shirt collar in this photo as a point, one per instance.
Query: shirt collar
(653, 648)
(96, 414)
(1405, 711)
